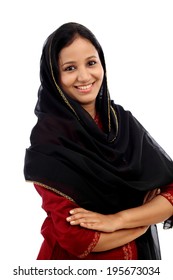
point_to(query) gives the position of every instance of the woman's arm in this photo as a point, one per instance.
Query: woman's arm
(108, 241)
(77, 240)
(152, 212)
(155, 211)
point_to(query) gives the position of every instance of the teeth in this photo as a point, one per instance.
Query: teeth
(85, 87)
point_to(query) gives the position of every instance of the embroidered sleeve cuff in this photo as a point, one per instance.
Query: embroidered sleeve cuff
(91, 245)
(168, 196)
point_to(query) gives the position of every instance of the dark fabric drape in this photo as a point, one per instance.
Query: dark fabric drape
(148, 245)
(91, 170)
(102, 170)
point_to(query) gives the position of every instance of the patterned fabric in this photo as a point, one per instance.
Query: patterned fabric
(167, 192)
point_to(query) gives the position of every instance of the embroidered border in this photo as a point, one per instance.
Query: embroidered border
(51, 189)
(57, 86)
(168, 196)
(91, 245)
(127, 249)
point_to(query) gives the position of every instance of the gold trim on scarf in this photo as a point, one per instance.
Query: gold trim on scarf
(51, 189)
(116, 121)
(116, 118)
(57, 86)
(109, 105)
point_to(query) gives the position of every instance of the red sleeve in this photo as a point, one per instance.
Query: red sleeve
(74, 239)
(167, 192)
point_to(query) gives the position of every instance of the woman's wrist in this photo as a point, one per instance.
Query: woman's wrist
(155, 211)
(119, 221)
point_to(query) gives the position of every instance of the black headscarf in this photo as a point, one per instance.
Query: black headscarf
(105, 170)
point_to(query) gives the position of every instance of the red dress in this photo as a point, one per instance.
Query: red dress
(65, 242)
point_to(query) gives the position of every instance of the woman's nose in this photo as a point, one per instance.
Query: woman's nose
(83, 75)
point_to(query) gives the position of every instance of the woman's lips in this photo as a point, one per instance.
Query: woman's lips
(85, 88)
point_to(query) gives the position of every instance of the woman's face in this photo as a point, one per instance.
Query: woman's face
(81, 72)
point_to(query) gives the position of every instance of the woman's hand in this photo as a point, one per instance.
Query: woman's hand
(95, 221)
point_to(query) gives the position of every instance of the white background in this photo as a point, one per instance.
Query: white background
(137, 39)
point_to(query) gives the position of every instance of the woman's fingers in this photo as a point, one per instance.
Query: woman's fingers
(80, 213)
(90, 226)
(92, 220)
(78, 210)
(82, 218)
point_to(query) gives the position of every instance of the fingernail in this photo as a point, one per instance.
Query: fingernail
(71, 211)
(68, 219)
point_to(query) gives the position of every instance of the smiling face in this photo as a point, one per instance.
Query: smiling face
(81, 73)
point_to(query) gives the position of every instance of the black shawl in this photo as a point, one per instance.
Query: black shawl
(105, 170)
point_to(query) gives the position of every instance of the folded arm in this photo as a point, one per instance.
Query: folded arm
(77, 240)
(154, 211)
(118, 238)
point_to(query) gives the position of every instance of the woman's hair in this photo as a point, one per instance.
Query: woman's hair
(67, 33)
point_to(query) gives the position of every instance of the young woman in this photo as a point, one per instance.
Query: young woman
(104, 181)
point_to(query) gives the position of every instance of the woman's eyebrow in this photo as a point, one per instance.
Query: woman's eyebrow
(72, 62)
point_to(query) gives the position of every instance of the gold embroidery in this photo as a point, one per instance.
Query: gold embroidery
(109, 105)
(168, 196)
(91, 246)
(116, 120)
(52, 189)
(127, 249)
(57, 86)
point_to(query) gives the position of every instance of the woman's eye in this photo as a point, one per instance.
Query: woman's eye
(70, 68)
(91, 63)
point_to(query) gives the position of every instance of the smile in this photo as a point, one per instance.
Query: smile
(87, 87)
